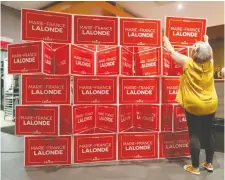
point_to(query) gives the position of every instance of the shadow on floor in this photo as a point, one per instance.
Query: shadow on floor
(8, 130)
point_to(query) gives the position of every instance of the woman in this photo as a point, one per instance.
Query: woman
(198, 97)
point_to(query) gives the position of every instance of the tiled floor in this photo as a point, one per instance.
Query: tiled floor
(4, 123)
(12, 167)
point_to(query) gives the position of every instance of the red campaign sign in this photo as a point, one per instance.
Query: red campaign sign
(176, 69)
(47, 26)
(174, 144)
(137, 129)
(166, 63)
(92, 148)
(140, 32)
(47, 150)
(25, 58)
(62, 59)
(137, 146)
(125, 117)
(108, 61)
(55, 46)
(66, 120)
(40, 89)
(146, 117)
(37, 120)
(95, 30)
(148, 62)
(170, 88)
(129, 48)
(127, 59)
(139, 90)
(89, 47)
(185, 31)
(101, 131)
(82, 61)
(180, 122)
(166, 117)
(83, 118)
(95, 90)
(106, 117)
(102, 48)
(95, 131)
(89, 131)
(139, 49)
(49, 61)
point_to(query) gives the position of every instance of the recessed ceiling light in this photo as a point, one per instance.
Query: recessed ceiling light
(179, 6)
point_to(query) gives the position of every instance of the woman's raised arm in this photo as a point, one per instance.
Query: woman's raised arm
(177, 57)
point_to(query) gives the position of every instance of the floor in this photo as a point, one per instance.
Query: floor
(12, 166)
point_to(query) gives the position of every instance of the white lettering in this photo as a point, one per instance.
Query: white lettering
(135, 34)
(46, 91)
(186, 34)
(48, 152)
(95, 33)
(95, 92)
(24, 60)
(106, 149)
(136, 148)
(47, 29)
(134, 92)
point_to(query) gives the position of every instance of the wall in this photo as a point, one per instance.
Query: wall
(218, 52)
(219, 85)
(10, 23)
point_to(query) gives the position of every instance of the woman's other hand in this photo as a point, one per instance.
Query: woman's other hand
(206, 38)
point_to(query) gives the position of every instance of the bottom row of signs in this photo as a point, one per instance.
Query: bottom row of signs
(104, 147)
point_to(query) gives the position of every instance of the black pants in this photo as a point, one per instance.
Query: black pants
(200, 128)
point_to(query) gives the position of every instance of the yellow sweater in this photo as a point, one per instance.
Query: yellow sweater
(197, 92)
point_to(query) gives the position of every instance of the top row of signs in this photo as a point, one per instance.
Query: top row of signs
(100, 30)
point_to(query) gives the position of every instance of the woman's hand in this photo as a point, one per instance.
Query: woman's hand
(167, 45)
(206, 38)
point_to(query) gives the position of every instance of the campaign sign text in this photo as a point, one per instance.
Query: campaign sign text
(37, 120)
(40, 151)
(140, 32)
(174, 144)
(95, 30)
(138, 146)
(139, 90)
(47, 26)
(25, 58)
(40, 89)
(92, 148)
(185, 31)
(95, 90)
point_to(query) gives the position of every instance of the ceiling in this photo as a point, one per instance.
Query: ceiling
(213, 11)
(28, 4)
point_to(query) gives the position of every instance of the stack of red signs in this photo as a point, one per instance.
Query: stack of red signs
(95, 118)
(139, 95)
(99, 88)
(182, 33)
(45, 116)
